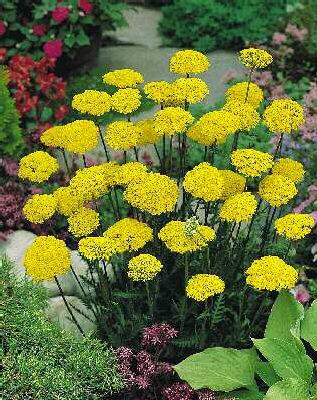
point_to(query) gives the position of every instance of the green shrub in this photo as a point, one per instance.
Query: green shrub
(42, 362)
(213, 24)
(11, 139)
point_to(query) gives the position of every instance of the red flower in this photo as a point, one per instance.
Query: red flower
(85, 6)
(3, 28)
(39, 30)
(60, 14)
(61, 112)
(3, 53)
(53, 48)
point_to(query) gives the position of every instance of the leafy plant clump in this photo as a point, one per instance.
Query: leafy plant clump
(276, 367)
(212, 24)
(41, 361)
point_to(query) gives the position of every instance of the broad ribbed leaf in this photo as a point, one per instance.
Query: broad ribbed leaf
(286, 358)
(218, 369)
(288, 389)
(309, 326)
(266, 372)
(284, 317)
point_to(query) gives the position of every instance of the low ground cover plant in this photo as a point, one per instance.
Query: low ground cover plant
(201, 246)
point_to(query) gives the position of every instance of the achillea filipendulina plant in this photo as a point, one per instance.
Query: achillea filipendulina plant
(194, 245)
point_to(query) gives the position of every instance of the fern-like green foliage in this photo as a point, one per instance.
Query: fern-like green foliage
(11, 139)
(40, 361)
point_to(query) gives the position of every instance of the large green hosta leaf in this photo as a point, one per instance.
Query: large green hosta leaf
(288, 389)
(218, 369)
(309, 326)
(286, 358)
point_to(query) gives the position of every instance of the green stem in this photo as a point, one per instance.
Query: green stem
(149, 299)
(136, 153)
(66, 163)
(158, 155)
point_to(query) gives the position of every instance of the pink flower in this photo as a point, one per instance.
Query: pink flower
(3, 28)
(178, 391)
(297, 33)
(301, 294)
(3, 53)
(60, 14)
(157, 335)
(279, 38)
(53, 48)
(85, 6)
(39, 30)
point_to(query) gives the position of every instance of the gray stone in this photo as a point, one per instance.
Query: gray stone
(57, 312)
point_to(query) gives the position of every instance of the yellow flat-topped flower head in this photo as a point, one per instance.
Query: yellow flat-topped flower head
(289, 168)
(80, 136)
(46, 258)
(144, 267)
(39, 208)
(83, 222)
(158, 91)
(37, 167)
(131, 171)
(53, 137)
(294, 226)
(123, 78)
(250, 162)
(185, 62)
(233, 183)
(284, 116)
(68, 201)
(201, 287)
(239, 208)
(277, 190)
(126, 101)
(149, 134)
(191, 90)
(204, 182)
(154, 193)
(123, 135)
(247, 114)
(255, 58)
(172, 120)
(271, 273)
(247, 92)
(95, 248)
(176, 239)
(92, 102)
(128, 234)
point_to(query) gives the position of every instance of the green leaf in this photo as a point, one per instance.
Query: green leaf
(309, 326)
(46, 114)
(82, 39)
(284, 317)
(247, 395)
(286, 358)
(288, 389)
(218, 369)
(266, 372)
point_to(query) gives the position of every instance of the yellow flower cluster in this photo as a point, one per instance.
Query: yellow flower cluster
(37, 166)
(95, 248)
(149, 134)
(123, 78)
(294, 226)
(191, 90)
(245, 92)
(128, 234)
(255, 58)
(277, 190)
(123, 135)
(248, 116)
(131, 171)
(173, 234)
(144, 267)
(202, 286)
(154, 193)
(90, 183)
(284, 116)
(250, 162)
(39, 208)
(46, 258)
(83, 222)
(233, 183)
(271, 273)
(68, 201)
(289, 168)
(125, 101)
(92, 102)
(80, 136)
(159, 91)
(185, 62)
(53, 137)
(238, 208)
(172, 120)
(204, 182)
(214, 127)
